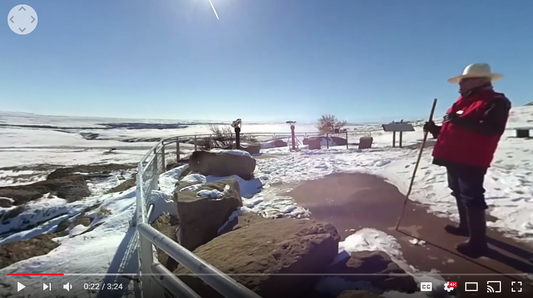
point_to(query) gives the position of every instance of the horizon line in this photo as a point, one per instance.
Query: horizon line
(197, 121)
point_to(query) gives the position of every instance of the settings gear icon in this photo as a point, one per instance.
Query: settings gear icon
(447, 287)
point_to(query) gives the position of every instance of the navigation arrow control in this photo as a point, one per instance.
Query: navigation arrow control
(22, 19)
(20, 287)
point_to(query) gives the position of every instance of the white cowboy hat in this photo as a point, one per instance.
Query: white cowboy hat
(477, 70)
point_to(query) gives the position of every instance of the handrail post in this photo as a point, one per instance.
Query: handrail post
(156, 289)
(145, 254)
(146, 260)
(163, 159)
(177, 150)
(168, 280)
(139, 196)
(155, 180)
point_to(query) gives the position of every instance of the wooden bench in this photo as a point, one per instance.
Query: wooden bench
(523, 132)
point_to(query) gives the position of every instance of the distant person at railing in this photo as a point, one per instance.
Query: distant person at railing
(466, 143)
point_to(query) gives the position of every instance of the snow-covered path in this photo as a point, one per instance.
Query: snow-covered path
(508, 184)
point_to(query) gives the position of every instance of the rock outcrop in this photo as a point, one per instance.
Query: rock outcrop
(22, 250)
(204, 211)
(223, 163)
(71, 187)
(275, 251)
(373, 263)
(68, 183)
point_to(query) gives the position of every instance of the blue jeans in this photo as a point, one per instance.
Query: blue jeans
(466, 184)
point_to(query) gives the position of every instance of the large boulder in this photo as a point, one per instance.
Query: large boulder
(333, 141)
(223, 163)
(338, 141)
(382, 272)
(279, 143)
(281, 256)
(252, 148)
(314, 143)
(168, 225)
(240, 222)
(204, 211)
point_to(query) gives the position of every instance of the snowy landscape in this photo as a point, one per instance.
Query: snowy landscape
(28, 141)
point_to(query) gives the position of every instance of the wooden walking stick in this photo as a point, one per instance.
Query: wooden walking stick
(416, 166)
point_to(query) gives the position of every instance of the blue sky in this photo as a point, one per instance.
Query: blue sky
(264, 60)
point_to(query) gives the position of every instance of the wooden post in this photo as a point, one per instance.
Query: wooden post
(346, 138)
(327, 141)
(401, 136)
(195, 143)
(393, 139)
(293, 136)
(237, 138)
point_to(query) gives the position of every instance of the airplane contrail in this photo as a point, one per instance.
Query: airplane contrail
(214, 10)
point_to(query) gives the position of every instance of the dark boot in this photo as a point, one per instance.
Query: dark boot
(462, 228)
(476, 246)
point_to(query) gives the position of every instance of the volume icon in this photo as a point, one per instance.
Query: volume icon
(67, 286)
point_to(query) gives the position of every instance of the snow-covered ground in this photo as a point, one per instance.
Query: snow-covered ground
(109, 245)
(374, 240)
(62, 143)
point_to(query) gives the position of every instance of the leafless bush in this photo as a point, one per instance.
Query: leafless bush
(329, 123)
(221, 137)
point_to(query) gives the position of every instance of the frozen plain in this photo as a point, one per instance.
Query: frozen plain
(509, 186)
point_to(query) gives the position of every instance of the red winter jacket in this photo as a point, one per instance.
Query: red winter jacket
(473, 137)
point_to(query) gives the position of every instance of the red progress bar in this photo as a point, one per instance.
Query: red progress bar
(36, 274)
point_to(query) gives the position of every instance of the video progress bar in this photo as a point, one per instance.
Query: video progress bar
(281, 274)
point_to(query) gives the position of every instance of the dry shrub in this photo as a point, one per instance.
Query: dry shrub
(329, 123)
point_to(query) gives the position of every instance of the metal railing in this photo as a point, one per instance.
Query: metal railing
(155, 279)
(262, 137)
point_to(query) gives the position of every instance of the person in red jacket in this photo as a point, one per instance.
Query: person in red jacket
(466, 143)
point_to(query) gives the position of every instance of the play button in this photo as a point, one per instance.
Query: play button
(20, 287)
